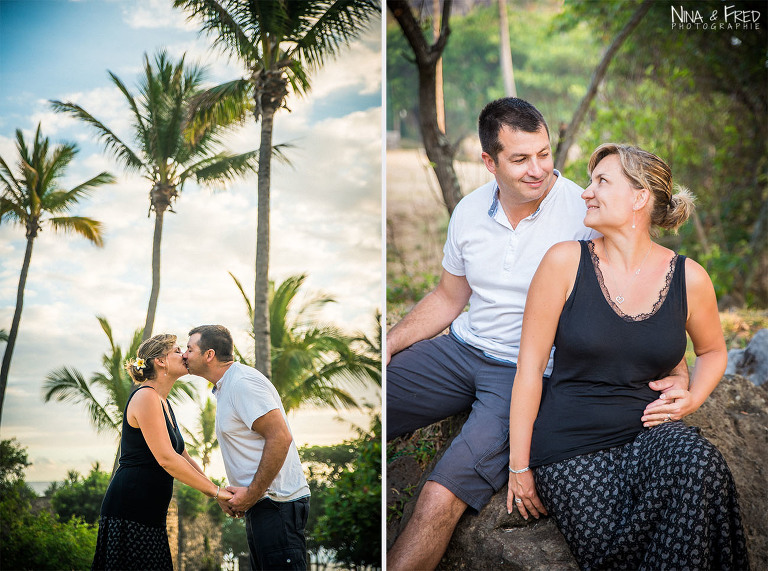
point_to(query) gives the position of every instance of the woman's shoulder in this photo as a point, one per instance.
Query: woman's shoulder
(696, 276)
(564, 252)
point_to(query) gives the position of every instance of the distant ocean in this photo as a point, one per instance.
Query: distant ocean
(39, 487)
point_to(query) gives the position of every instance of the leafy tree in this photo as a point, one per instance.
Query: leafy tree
(168, 151)
(106, 405)
(280, 43)
(655, 99)
(309, 358)
(324, 466)
(36, 541)
(202, 444)
(80, 497)
(33, 198)
(351, 521)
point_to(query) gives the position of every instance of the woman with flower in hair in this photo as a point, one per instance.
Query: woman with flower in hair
(628, 489)
(132, 532)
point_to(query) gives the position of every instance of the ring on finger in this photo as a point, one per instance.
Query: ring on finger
(518, 501)
(669, 417)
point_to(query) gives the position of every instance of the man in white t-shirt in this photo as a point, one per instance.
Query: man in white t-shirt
(260, 456)
(497, 236)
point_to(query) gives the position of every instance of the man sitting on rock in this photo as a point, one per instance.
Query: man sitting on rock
(496, 238)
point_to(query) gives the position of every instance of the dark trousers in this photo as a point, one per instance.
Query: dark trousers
(276, 534)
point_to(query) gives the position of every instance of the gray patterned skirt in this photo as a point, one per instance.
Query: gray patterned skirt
(124, 544)
(664, 501)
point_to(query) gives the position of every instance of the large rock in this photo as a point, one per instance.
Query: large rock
(734, 418)
(751, 362)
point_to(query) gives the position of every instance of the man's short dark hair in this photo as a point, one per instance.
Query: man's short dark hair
(216, 337)
(517, 114)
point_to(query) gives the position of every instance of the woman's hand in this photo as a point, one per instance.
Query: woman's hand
(521, 493)
(224, 495)
(672, 405)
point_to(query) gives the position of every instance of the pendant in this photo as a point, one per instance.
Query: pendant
(619, 299)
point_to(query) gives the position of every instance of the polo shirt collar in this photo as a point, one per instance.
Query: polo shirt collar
(494, 208)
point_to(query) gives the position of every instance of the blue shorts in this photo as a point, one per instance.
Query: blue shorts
(440, 377)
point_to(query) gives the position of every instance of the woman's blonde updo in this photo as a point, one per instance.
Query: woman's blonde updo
(142, 368)
(646, 170)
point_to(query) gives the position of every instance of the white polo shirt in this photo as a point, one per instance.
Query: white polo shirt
(243, 394)
(499, 261)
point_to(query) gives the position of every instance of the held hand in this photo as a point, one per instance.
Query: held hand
(521, 493)
(225, 507)
(242, 499)
(671, 382)
(224, 495)
(672, 405)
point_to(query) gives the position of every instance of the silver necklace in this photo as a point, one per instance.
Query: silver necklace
(619, 299)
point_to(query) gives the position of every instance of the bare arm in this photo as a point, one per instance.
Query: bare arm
(703, 326)
(146, 412)
(278, 439)
(189, 459)
(431, 315)
(549, 289)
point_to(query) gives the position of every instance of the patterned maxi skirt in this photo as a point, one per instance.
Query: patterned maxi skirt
(664, 501)
(124, 544)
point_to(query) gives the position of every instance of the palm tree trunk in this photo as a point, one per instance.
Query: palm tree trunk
(262, 345)
(6, 367)
(569, 136)
(155, 293)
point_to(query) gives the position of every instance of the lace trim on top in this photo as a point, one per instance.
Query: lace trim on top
(643, 316)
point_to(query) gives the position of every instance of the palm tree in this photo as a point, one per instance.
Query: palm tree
(113, 386)
(169, 152)
(202, 444)
(33, 198)
(279, 43)
(310, 359)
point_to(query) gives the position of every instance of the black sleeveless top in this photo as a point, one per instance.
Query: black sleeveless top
(603, 363)
(141, 489)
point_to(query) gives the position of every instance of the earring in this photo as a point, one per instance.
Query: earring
(633, 218)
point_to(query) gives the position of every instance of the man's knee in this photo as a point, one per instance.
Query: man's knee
(439, 505)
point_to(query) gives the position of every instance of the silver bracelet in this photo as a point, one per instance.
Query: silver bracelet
(519, 471)
(218, 489)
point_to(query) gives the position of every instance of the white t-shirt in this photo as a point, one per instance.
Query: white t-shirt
(499, 261)
(243, 394)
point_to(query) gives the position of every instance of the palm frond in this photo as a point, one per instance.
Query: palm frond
(111, 142)
(86, 227)
(69, 385)
(218, 22)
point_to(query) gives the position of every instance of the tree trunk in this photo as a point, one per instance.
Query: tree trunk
(564, 144)
(262, 345)
(507, 71)
(155, 293)
(13, 333)
(439, 150)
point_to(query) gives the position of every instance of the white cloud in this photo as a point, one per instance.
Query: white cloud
(155, 14)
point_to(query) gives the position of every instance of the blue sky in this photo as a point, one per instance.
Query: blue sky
(326, 213)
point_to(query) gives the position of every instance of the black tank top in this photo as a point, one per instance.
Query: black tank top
(603, 363)
(141, 489)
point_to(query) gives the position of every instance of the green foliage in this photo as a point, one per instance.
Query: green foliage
(407, 289)
(233, 537)
(350, 523)
(79, 497)
(36, 541)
